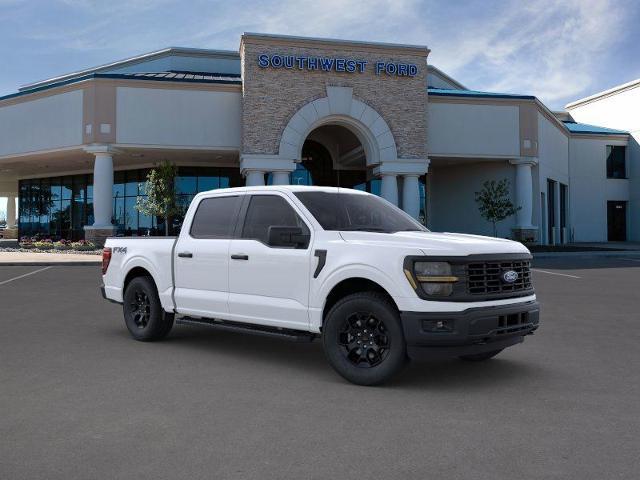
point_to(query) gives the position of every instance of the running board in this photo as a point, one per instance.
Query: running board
(287, 334)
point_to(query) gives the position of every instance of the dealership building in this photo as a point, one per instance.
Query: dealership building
(75, 149)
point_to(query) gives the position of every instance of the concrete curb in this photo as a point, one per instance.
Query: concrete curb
(609, 253)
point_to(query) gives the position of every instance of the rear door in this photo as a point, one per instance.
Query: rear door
(269, 285)
(202, 258)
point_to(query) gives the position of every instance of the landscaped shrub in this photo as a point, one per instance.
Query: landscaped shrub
(62, 245)
(43, 244)
(83, 245)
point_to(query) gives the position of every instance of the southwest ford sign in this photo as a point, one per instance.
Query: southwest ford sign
(333, 64)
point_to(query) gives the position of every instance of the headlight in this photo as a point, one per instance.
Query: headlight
(435, 278)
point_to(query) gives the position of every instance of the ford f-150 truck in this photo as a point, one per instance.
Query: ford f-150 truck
(338, 264)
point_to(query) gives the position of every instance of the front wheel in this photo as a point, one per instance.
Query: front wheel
(143, 313)
(363, 338)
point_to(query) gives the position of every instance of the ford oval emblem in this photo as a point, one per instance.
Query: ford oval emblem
(509, 276)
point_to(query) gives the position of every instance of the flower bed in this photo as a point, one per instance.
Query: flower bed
(44, 245)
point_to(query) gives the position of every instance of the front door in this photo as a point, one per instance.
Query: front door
(201, 258)
(269, 285)
(617, 221)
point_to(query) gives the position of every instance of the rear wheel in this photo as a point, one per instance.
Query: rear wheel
(363, 339)
(479, 357)
(143, 313)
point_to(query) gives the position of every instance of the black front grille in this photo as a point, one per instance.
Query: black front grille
(485, 278)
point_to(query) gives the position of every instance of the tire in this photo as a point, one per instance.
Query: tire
(480, 357)
(144, 316)
(351, 319)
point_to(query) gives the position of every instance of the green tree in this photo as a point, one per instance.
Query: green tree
(160, 191)
(494, 202)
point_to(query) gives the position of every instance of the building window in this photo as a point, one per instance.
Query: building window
(60, 207)
(616, 161)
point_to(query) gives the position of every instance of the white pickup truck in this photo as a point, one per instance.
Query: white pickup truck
(337, 264)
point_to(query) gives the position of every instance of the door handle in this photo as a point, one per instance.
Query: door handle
(239, 256)
(185, 255)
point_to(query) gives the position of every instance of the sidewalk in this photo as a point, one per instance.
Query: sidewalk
(32, 258)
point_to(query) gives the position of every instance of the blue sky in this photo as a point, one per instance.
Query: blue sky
(556, 50)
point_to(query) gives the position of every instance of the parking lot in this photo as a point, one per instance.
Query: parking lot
(80, 399)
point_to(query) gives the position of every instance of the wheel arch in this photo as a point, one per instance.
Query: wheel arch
(351, 285)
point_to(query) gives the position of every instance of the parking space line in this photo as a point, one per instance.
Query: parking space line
(25, 275)
(555, 273)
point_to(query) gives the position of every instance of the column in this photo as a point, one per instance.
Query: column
(11, 212)
(411, 195)
(254, 178)
(389, 188)
(525, 230)
(102, 194)
(280, 178)
(103, 190)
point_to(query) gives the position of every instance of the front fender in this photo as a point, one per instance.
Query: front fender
(346, 272)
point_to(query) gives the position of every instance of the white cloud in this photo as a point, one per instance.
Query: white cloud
(546, 48)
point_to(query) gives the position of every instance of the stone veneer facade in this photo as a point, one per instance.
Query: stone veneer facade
(272, 96)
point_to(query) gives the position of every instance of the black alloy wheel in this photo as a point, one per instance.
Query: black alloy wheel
(144, 316)
(140, 309)
(364, 339)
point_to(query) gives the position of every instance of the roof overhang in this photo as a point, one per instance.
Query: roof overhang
(145, 57)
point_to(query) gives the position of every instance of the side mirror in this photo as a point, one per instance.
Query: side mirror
(288, 237)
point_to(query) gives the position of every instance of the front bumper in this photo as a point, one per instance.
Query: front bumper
(472, 331)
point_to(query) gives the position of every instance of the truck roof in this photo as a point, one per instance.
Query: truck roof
(289, 188)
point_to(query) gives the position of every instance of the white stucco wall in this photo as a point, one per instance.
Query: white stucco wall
(42, 124)
(467, 129)
(553, 163)
(590, 189)
(620, 111)
(452, 197)
(190, 118)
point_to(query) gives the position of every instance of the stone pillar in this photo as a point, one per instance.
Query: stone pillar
(102, 195)
(524, 230)
(410, 170)
(254, 178)
(253, 166)
(11, 212)
(280, 178)
(411, 195)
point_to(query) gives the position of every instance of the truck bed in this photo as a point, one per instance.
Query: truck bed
(153, 254)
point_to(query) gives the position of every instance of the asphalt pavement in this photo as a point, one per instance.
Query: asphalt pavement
(79, 399)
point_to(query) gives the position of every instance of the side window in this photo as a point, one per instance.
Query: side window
(269, 210)
(215, 217)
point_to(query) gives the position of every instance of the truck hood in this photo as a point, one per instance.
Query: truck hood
(430, 243)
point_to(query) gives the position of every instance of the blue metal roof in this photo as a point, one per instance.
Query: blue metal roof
(188, 77)
(444, 92)
(585, 128)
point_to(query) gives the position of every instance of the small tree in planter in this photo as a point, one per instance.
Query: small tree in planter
(494, 202)
(160, 200)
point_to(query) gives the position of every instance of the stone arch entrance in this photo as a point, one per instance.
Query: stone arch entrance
(340, 108)
(338, 112)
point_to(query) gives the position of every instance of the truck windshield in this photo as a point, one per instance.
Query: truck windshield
(356, 212)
